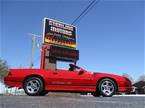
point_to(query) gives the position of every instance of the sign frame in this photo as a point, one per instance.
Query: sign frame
(44, 27)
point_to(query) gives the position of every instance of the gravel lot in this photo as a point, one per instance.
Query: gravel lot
(72, 102)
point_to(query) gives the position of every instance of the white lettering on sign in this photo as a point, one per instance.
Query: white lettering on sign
(58, 30)
(59, 25)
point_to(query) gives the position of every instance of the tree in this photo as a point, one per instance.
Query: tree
(141, 78)
(128, 76)
(4, 68)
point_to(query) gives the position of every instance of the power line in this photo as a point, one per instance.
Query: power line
(88, 8)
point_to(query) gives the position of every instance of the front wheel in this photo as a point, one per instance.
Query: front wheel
(96, 94)
(33, 86)
(107, 87)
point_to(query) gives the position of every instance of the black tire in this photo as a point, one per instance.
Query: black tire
(43, 93)
(96, 94)
(107, 87)
(33, 86)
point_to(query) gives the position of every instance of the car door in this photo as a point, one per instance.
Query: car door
(71, 78)
(81, 78)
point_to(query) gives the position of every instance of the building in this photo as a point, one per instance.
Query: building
(139, 87)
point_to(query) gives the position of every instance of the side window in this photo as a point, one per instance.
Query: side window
(76, 69)
(73, 68)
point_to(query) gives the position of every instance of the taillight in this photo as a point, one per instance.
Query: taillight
(10, 73)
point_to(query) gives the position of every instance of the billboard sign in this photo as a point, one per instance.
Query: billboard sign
(59, 33)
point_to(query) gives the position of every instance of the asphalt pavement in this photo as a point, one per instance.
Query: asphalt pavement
(72, 102)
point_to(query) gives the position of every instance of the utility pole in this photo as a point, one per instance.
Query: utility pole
(34, 36)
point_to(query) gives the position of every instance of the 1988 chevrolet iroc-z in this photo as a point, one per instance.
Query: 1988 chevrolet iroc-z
(38, 82)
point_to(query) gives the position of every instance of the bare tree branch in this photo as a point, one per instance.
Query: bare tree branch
(128, 76)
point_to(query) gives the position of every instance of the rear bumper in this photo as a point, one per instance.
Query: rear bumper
(13, 84)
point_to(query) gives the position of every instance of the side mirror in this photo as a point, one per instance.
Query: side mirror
(80, 72)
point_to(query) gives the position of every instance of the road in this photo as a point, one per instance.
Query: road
(71, 102)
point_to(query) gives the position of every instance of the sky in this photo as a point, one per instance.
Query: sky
(110, 38)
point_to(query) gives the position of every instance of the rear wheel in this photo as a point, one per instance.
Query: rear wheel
(43, 93)
(33, 86)
(107, 87)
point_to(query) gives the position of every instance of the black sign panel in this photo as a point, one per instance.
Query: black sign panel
(63, 54)
(58, 33)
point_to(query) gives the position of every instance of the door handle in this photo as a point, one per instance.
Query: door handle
(54, 73)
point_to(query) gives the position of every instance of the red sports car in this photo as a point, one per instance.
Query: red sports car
(38, 82)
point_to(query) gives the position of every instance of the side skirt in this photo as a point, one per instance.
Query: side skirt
(70, 88)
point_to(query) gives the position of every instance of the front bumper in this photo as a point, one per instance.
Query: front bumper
(125, 89)
(125, 85)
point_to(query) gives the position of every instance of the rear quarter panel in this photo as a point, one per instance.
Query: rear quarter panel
(18, 75)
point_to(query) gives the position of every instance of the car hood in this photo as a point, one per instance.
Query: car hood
(107, 75)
